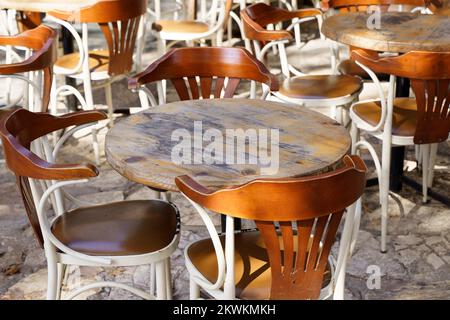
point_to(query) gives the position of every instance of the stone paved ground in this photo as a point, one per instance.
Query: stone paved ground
(417, 265)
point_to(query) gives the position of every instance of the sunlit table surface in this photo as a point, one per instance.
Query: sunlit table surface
(45, 5)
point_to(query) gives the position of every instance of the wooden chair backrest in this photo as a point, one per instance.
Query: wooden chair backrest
(43, 42)
(18, 130)
(207, 63)
(308, 210)
(119, 21)
(429, 73)
(256, 17)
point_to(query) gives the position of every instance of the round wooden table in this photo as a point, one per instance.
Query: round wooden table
(399, 32)
(140, 146)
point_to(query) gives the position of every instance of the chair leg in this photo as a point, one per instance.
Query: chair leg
(161, 289)
(425, 171)
(152, 279)
(109, 103)
(95, 146)
(338, 114)
(61, 273)
(194, 290)
(354, 133)
(168, 280)
(52, 273)
(433, 154)
(384, 191)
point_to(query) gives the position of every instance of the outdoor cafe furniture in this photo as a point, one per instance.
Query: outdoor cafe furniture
(341, 6)
(127, 233)
(288, 256)
(41, 42)
(417, 36)
(337, 91)
(139, 146)
(208, 26)
(119, 22)
(220, 71)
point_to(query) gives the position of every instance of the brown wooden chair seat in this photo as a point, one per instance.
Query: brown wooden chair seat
(321, 86)
(252, 266)
(98, 61)
(349, 67)
(180, 26)
(404, 120)
(118, 229)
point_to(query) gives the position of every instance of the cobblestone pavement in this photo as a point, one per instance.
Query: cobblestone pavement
(416, 266)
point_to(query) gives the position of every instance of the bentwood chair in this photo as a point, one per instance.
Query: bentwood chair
(288, 256)
(337, 91)
(41, 44)
(128, 233)
(423, 120)
(119, 22)
(202, 72)
(208, 26)
(341, 6)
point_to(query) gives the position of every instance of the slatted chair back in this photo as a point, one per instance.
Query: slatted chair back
(297, 217)
(258, 16)
(429, 73)
(119, 21)
(220, 71)
(18, 131)
(43, 43)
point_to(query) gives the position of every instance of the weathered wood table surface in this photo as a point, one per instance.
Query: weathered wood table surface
(399, 31)
(140, 146)
(45, 5)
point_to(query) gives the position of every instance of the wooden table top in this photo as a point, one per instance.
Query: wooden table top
(140, 146)
(399, 32)
(45, 5)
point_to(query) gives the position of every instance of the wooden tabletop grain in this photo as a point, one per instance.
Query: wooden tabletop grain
(399, 32)
(140, 146)
(45, 5)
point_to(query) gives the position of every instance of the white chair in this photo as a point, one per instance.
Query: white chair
(127, 233)
(208, 26)
(119, 22)
(423, 120)
(336, 91)
(287, 257)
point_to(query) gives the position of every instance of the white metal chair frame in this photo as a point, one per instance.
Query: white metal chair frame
(383, 132)
(59, 255)
(339, 104)
(215, 17)
(224, 287)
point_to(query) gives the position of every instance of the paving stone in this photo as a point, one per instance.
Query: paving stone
(435, 261)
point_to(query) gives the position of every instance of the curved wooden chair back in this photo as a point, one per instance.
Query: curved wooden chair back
(43, 42)
(308, 211)
(18, 130)
(363, 5)
(119, 21)
(256, 17)
(429, 73)
(209, 64)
